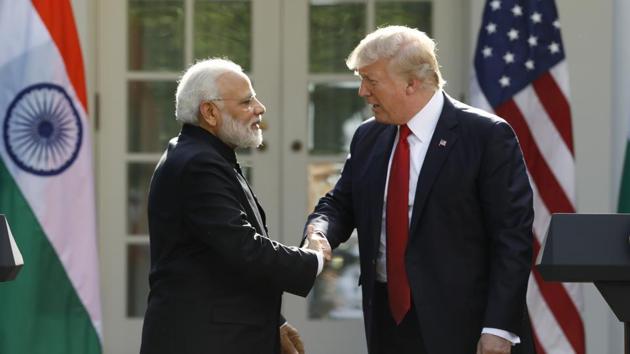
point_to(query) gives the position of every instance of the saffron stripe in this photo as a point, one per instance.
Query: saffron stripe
(58, 18)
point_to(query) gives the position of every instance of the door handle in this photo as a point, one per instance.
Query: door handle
(296, 146)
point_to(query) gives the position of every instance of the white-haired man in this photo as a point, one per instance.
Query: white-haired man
(439, 194)
(216, 277)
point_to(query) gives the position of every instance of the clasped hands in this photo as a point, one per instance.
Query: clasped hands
(290, 341)
(316, 241)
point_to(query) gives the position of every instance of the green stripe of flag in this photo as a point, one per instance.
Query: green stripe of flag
(624, 191)
(41, 312)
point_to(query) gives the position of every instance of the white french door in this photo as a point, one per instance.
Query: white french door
(294, 50)
(321, 110)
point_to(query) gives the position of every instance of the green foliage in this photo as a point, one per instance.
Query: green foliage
(151, 115)
(411, 14)
(334, 31)
(156, 34)
(223, 29)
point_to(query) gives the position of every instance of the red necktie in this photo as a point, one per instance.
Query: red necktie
(397, 220)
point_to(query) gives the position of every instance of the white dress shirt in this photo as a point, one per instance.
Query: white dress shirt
(422, 126)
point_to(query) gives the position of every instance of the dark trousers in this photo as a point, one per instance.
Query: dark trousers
(527, 338)
(387, 336)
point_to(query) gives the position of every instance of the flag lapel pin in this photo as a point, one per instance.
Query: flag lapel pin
(442, 143)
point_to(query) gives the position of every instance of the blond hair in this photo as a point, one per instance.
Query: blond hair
(412, 54)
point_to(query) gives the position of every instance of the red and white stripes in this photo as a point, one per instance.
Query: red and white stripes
(541, 117)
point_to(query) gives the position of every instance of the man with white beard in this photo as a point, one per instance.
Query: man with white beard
(216, 277)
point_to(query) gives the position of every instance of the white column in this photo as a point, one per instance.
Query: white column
(620, 127)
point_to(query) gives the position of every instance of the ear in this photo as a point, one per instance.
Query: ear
(413, 86)
(209, 113)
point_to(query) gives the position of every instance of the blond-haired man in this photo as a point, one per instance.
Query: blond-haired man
(439, 194)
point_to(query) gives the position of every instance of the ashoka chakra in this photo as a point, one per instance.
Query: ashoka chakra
(42, 130)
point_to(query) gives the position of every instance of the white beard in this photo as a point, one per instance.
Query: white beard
(238, 134)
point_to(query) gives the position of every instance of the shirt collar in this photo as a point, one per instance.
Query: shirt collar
(423, 123)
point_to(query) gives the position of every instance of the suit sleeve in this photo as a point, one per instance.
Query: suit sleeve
(506, 199)
(333, 215)
(215, 215)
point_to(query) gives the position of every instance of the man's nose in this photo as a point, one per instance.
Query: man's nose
(259, 107)
(363, 91)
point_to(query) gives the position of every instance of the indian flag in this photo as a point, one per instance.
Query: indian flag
(47, 183)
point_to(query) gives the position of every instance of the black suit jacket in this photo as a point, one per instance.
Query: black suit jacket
(216, 280)
(470, 242)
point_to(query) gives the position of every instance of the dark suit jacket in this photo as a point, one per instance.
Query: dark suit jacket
(216, 280)
(470, 242)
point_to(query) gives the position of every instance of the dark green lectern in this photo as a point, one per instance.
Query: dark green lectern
(593, 248)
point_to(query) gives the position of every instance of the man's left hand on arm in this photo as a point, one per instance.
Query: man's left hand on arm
(491, 344)
(290, 341)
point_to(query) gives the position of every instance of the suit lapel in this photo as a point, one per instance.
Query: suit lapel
(377, 169)
(262, 214)
(442, 142)
(253, 203)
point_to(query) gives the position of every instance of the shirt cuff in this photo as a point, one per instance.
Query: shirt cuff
(320, 262)
(320, 259)
(513, 338)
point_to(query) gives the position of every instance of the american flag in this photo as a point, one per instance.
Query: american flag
(520, 73)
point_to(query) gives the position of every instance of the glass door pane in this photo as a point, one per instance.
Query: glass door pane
(322, 110)
(335, 27)
(411, 13)
(335, 111)
(151, 115)
(224, 29)
(155, 34)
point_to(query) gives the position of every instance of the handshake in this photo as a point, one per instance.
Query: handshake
(317, 242)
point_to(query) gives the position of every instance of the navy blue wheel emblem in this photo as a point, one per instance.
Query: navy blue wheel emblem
(42, 130)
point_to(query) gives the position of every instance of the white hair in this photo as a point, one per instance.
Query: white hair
(412, 53)
(199, 83)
